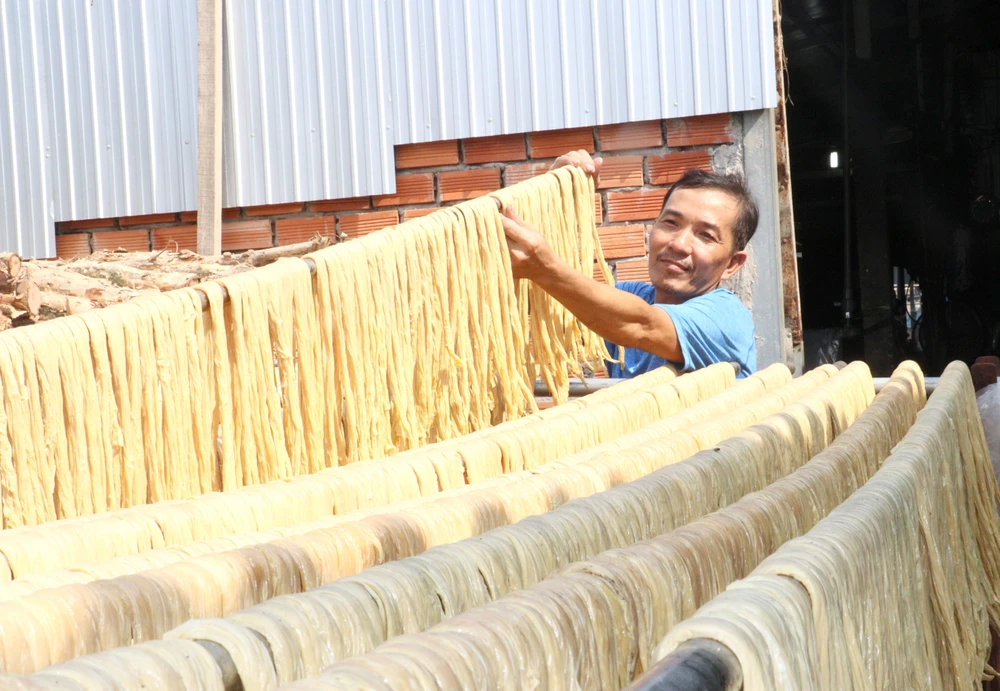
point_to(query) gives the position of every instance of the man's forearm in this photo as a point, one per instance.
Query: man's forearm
(612, 314)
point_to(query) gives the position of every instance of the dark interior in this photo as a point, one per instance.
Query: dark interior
(899, 258)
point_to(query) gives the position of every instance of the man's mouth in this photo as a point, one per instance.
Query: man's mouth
(672, 265)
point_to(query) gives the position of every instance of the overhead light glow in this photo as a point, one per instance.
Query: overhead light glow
(834, 159)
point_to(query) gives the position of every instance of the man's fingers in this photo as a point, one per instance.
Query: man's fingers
(511, 224)
(581, 159)
(562, 161)
(510, 213)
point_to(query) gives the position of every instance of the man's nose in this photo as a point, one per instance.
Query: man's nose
(679, 241)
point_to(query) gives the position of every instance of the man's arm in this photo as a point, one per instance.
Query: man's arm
(612, 314)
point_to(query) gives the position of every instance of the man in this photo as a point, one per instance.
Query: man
(682, 317)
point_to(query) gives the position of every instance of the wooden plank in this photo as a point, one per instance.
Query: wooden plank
(209, 127)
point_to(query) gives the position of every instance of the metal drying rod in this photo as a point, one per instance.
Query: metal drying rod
(578, 387)
(700, 664)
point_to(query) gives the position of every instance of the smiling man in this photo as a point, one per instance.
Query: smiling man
(683, 316)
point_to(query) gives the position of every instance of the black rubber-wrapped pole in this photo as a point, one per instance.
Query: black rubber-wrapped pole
(231, 680)
(230, 676)
(697, 665)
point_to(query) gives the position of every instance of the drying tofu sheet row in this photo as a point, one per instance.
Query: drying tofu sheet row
(419, 472)
(415, 334)
(593, 624)
(896, 588)
(681, 492)
(151, 602)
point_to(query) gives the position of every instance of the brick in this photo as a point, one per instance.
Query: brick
(623, 241)
(227, 215)
(621, 171)
(86, 224)
(514, 174)
(416, 188)
(467, 184)
(700, 130)
(147, 219)
(293, 230)
(638, 205)
(275, 209)
(427, 155)
(632, 270)
(668, 168)
(409, 214)
(357, 225)
(73, 245)
(176, 238)
(131, 240)
(555, 143)
(246, 235)
(347, 204)
(508, 147)
(598, 209)
(630, 135)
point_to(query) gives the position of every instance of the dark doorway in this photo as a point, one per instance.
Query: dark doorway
(898, 259)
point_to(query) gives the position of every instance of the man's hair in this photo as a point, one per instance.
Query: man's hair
(735, 186)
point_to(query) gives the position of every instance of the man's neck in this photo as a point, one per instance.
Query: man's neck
(664, 297)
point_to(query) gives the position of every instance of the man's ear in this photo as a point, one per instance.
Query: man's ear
(736, 262)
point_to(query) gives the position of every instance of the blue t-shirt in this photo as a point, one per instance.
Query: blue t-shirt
(714, 327)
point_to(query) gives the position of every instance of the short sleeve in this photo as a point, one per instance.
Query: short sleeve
(714, 328)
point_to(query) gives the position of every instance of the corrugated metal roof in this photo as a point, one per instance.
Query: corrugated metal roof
(99, 117)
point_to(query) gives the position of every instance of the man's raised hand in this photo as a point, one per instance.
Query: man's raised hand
(528, 248)
(580, 159)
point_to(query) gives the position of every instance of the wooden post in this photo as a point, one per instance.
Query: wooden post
(209, 127)
(786, 217)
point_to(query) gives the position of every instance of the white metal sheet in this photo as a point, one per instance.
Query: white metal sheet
(98, 113)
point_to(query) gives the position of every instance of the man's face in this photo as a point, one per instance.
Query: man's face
(691, 244)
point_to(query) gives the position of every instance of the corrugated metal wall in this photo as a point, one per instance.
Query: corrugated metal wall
(99, 109)
(99, 113)
(469, 68)
(305, 86)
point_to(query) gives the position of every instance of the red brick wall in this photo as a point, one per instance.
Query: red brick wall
(641, 159)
